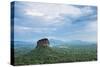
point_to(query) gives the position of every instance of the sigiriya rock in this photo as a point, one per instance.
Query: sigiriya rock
(42, 43)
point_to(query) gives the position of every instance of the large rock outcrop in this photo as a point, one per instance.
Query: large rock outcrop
(42, 43)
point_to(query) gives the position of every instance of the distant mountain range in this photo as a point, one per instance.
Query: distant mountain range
(79, 42)
(53, 43)
(56, 42)
(18, 44)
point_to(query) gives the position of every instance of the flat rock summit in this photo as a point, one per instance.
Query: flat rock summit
(42, 43)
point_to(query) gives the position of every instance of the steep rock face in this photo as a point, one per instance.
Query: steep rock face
(42, 43)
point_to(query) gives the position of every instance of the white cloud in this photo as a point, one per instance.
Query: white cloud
(50, 12)
(43, 30)
(22, 29)
(29, 12)
(92, 26)
(42, 18)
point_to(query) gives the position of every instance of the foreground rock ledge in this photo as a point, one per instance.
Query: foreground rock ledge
(43, 43)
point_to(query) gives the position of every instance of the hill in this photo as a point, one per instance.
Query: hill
(38, 56)
(60, 52)
(47, 55)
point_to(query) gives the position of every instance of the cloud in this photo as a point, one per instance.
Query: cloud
(47, 12)
(92, 26)
(53, 10)
(34, 13)
(55, 20)
(86, 10)
(22, 29)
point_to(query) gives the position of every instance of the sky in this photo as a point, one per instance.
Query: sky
(33, 21)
